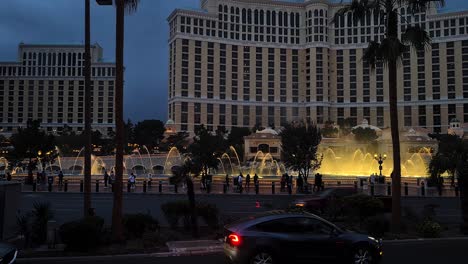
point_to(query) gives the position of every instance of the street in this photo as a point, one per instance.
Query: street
(427, 252)
(68, 206)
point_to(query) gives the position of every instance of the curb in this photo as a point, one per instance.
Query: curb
(403, 241)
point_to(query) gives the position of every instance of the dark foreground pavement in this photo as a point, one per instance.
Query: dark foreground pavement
(412, 252)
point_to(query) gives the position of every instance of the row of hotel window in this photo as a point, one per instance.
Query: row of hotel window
(420, 112)
(55, 71)
(441, 28)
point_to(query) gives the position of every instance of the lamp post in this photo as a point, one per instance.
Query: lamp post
(380, 159)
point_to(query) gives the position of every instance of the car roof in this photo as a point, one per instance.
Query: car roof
(268, 216)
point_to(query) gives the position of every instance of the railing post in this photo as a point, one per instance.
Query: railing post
(272, 187)
(65, 186)
(355, 186)
(224, 188)
(406, 189)
(423, 190)
(160, 186)
(372, 189)
(50, 186)
(97, 186)
(34, 186)
(257, 188)
(149, 184)
(457, 193)
(175, 188)
(389, 189)
(81, 185)
(144, 186)
(129, 187)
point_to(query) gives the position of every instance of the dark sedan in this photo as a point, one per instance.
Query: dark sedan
(283, 237)
(7, 253)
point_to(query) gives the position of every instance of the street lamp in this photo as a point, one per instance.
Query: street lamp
(380, 159)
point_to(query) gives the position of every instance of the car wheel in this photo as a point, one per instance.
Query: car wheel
(362, 255)
(262, 257)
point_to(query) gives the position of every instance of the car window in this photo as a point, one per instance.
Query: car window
(315, 226)
(283, 225)
(295, 225)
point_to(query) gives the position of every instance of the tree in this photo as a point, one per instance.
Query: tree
(121, 6)
(389, 52)
(179, 141)
(329, 130)
(299, 142)
(236, 139)
(31, 142)
(452, 157)
(364, 135)
(149, 133)
(206, 149)
(346, 126)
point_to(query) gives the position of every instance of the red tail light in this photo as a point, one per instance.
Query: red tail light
(234, 240)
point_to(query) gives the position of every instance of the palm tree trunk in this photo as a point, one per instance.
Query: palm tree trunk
(117, 209)
(396, 174)
(87, 129)
(193, 208)
(463, 185)
(392, 28)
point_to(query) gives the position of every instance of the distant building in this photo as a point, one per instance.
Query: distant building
(246, 63)
(47, 83)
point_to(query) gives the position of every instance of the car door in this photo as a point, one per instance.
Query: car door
(320, 243)
(287, 238)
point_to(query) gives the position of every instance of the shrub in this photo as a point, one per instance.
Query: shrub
(41, 214)
(137, 224)
(361, 206)
(210, 214)
(429, 229)
(180, 210)
(84, 235)
(377, 226)
(173, 212)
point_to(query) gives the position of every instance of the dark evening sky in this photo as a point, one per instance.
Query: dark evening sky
(146, 48)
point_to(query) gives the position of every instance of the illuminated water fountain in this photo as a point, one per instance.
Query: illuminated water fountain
(173, 159)
(358, 163)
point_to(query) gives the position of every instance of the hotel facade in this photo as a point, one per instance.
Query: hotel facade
(46, 83)
(242, 63)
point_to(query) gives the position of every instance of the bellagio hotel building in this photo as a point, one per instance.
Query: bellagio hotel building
(242, 63)
(46, 83)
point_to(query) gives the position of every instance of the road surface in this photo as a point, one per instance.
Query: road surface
(427, 252)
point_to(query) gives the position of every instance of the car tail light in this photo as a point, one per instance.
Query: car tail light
(234, 240)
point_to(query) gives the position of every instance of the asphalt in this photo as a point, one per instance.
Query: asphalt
(408, 252)
(68, 206)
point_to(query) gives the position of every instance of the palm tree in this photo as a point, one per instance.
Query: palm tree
(87, 110)
(389, 52)
(121, 6)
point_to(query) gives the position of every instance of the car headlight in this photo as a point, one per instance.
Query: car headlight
(373, 239)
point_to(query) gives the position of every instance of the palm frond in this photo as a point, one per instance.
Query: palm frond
(390, 49)
(359, 9)
(420, 6)
(372, 54)
(131, 5)
(416, 37)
